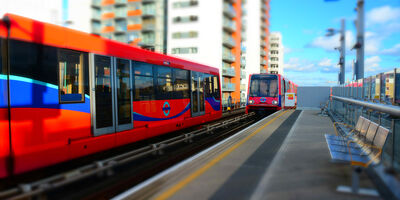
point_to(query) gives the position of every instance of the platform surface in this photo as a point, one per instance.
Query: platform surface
(282, 157)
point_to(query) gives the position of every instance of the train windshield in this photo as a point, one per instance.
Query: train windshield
(264, 86)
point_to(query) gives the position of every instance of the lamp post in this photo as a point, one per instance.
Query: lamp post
(359, 46)
(342, 49)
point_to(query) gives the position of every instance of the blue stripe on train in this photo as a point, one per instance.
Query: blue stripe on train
(140, 117)
(28, 93)
(215, 104)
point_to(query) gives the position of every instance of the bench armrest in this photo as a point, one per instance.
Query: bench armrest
(375, 157)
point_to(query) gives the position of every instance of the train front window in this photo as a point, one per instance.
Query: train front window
(264, 86)
(71, 76)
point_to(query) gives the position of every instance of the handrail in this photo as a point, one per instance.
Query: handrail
(391, 110)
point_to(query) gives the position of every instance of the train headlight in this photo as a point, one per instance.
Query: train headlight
(251, 101)
(275, 102)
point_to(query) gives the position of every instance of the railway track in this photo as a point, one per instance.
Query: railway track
(105, 178)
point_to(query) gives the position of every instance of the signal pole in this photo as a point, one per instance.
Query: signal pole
(359, 46)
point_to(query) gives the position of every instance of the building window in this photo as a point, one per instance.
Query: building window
(274, 45)
(274, 58)
(190, 34)
(274, 52)
(184, 4)
(185, 50)
(191, 18)
(274, 66)
(134, 5)
(71, 85)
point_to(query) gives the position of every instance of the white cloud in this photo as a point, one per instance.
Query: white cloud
(372, 64)
(383, 14)
(326, 62)
(329, 43)
(299, 65)
(395, 50)
(287, 50)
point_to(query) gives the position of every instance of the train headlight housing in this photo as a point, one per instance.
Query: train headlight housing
(251, 101)
(275, 102)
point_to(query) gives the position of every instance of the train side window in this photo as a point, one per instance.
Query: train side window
(216, 88)
(181, 84)
(208, 85)
(144, 81)
(71, 76)
(164, 83)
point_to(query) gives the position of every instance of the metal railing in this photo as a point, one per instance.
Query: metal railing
(228, 72)
(228, 87)
(349, 108)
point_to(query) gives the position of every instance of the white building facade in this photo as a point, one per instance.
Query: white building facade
(276, 53)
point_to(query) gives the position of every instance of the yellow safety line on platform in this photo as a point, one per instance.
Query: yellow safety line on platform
(171, 191)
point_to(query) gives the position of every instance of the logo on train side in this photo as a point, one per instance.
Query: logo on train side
(263, 99)
(166, 108)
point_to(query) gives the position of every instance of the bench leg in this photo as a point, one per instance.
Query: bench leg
(355, 185)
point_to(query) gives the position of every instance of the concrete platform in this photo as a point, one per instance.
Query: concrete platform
(283, 156)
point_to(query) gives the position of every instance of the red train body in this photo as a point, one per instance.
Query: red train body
(266, 92)
(67, 94)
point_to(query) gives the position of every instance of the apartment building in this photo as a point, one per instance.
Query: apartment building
(137, 22)
(276, 53)
(214, 33)
(255, 33)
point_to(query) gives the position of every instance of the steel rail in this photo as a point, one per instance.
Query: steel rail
(105, 166)
(389, 109)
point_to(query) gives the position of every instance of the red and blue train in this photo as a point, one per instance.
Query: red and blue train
(66, 94)
(266, 92)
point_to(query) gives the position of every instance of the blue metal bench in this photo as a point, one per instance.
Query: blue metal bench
(361, 147)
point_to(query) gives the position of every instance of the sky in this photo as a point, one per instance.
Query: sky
(310, 58)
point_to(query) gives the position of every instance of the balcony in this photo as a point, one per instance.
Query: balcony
(263, 43)
(147, 42)
(264, 7)
(148, 13)
(243, 49)
(229, 25)
(228, 57)
(120, 29)
(242, 61)
(148, 1)
(228, 41)
(121, 14)
(263, 52)
(229, 72)
(120, 2)
(263, 34)
(243, 87)
(243, 74)
(264, 15)
(148, 27)
(96, 16)
(228, 87)
(229, 11)
(96, 3)
(263, 62)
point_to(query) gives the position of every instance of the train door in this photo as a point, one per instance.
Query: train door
(111, 94)
(197, 93)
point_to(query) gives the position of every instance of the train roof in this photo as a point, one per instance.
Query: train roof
(279, 75)
(25, 29)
